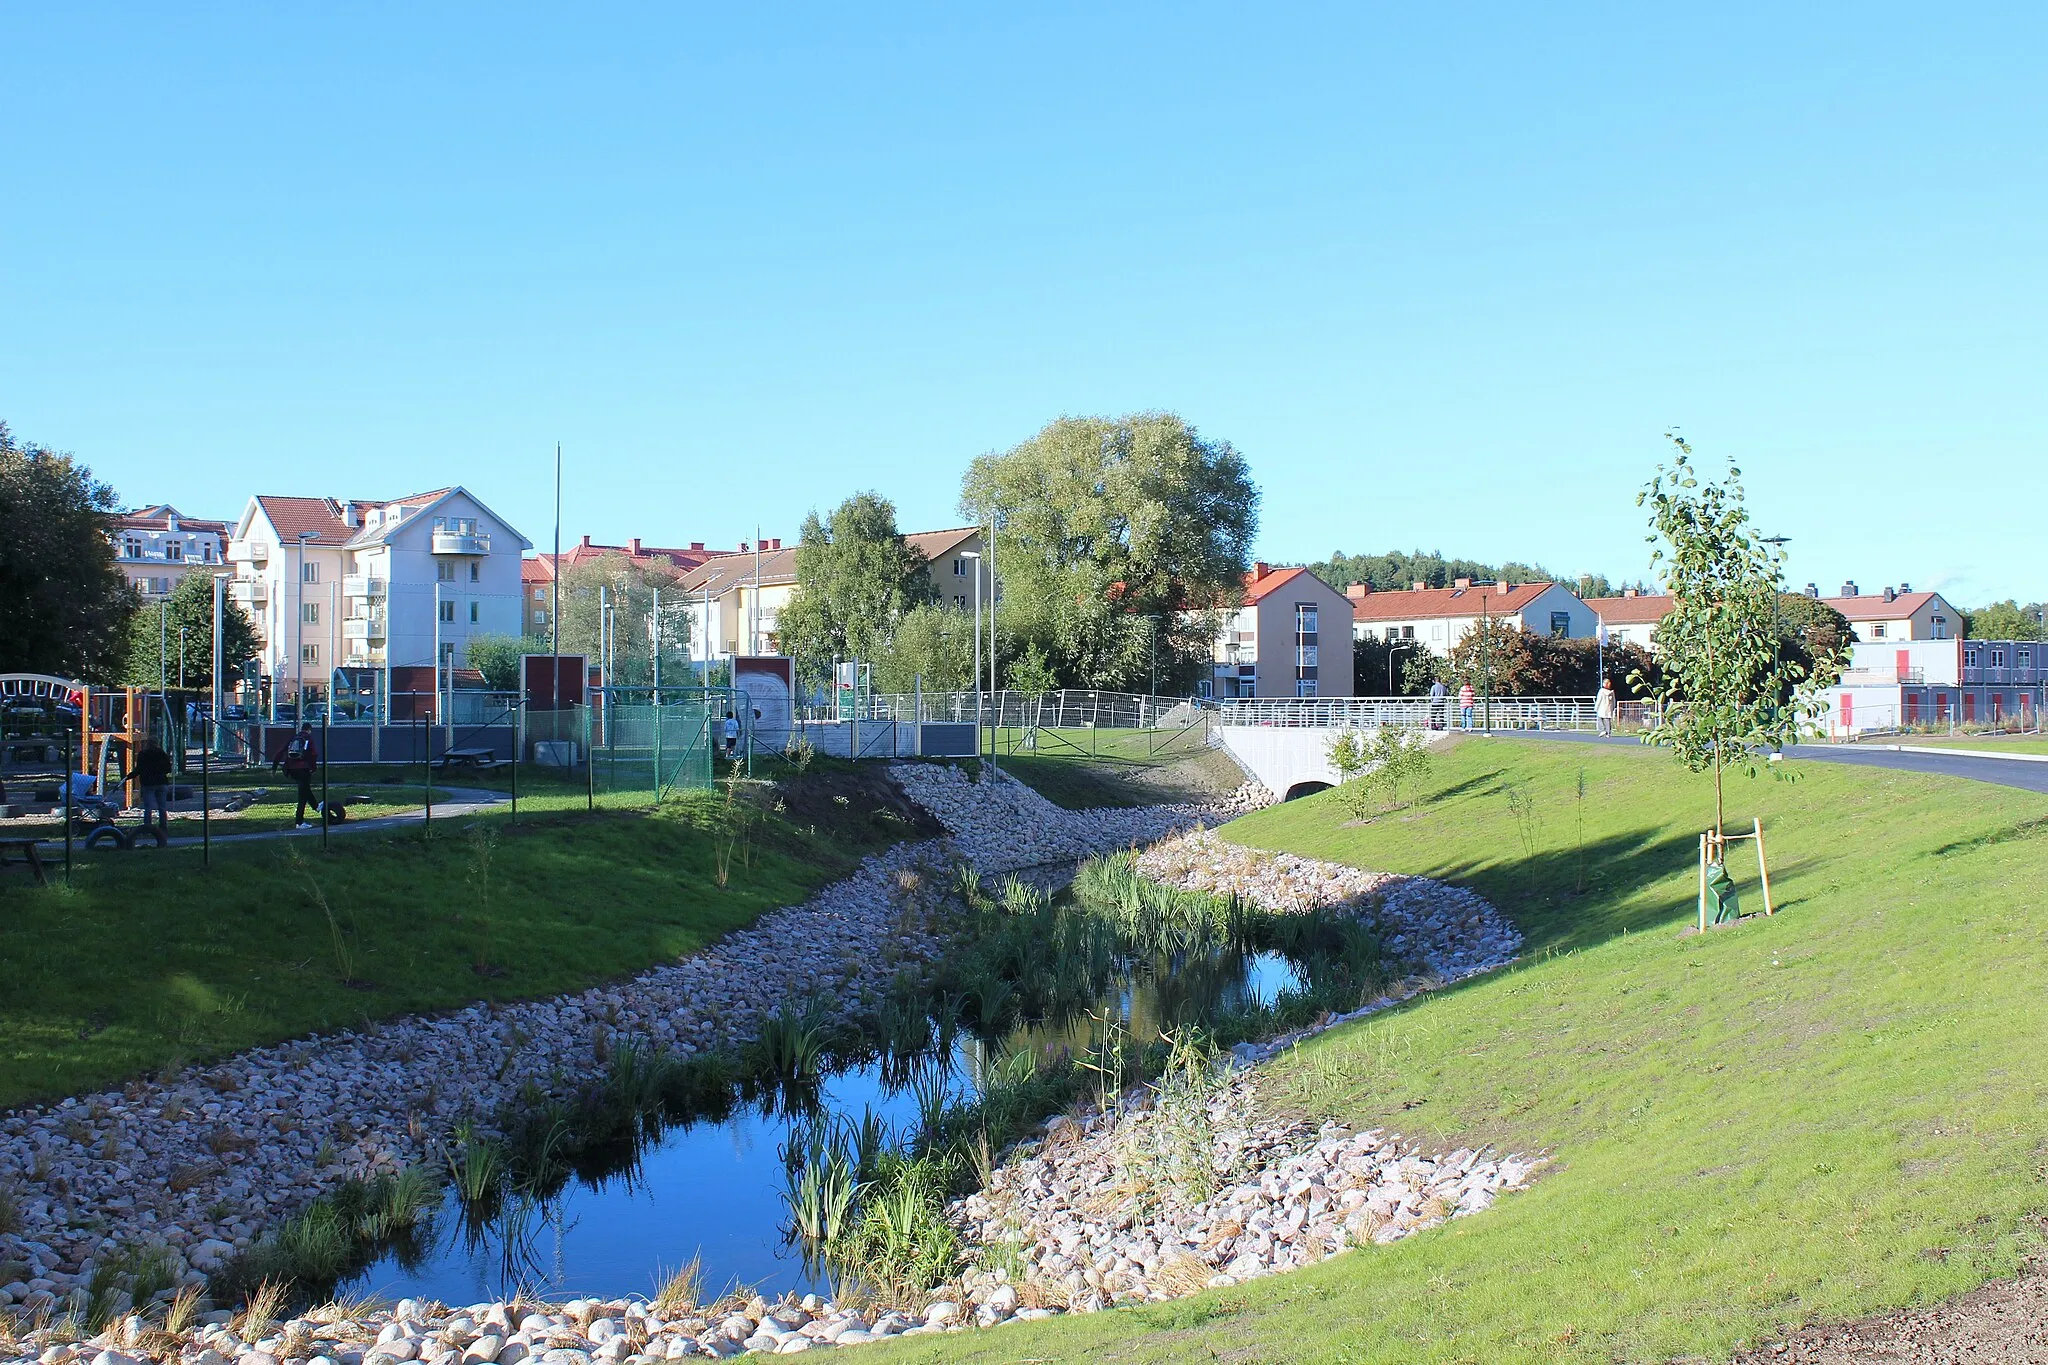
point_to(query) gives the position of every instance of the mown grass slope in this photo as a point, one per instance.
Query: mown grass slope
(1821, 1115)
(149, 959)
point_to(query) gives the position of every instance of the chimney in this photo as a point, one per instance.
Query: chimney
(742, 549)
(775, 544)
(1357, 591)
(1905, 588)
(1419, 585)
(1848, 590)
(1260, 568)
(696, 544)
(585, 544)
(633, 547)
(1628, 592)
(1890, 596)
(1461, 582)
(1813, 590)
(171, 522)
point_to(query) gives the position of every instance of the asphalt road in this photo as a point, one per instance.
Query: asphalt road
(2003, 772)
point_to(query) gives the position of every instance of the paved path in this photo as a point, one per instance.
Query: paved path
(459, 802)
(1990, 768)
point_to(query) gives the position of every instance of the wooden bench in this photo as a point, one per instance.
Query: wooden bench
(25, 850)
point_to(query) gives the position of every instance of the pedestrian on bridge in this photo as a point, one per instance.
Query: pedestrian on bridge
(1466, 698)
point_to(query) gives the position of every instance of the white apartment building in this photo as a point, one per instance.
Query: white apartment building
(158, 546)
(1437, 618)
(1886, 616)
(373, 585)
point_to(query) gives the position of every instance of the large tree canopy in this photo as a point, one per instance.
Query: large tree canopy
(628, 589)
(181, 628)
(855, 578)
(1109, 530)
(1397, 569)
(2007, 620)
(64, 606)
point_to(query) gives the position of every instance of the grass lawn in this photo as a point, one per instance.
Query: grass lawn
(2014, 744)
(1090, 769)
(148, 958)
(1818, 1116)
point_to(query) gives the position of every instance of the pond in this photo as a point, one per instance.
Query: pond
(715, 1189)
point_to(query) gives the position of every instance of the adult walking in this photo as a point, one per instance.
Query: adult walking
(1439, 697)
(300, 759)
(153, 779)
(1603, 708)
(1466, 699)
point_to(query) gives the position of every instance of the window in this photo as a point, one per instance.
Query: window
(309, 572)
(1941, 627)
(540, 616)
(960, 600)
(1304, 687)
(1407, 633)
(474, 568)
(131, 547)
(174, 549)
(1305, 622)
(1877, 631)
(310, 655)
(1969, 657)
(444, 571)
(540, 594)
(1998, 656)
(472, 613)
(2026, 659)
(312, 613)
(1560, 625)
(959, 568)
(206, 551)
(448, 612)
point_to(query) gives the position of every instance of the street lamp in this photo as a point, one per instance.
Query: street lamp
(299, 633)
(1392, 650)
(975, 555)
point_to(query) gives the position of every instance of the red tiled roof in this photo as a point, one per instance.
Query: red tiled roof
(1431, 603)
(1257, 585)
(1645, 608)
(537, 570)
(292, 517)
(1873, 607)
(156, 517)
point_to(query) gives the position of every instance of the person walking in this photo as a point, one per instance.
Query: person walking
(732, 735)
(153, 779)
(300, 758)
(1438, 698)
(1603, 708)
(1466, 698)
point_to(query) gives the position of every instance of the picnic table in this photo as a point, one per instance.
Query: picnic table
(27, 851)
(467, 758)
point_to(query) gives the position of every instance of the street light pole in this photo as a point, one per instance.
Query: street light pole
(1392, 650)
(299, 634)
(975, 555)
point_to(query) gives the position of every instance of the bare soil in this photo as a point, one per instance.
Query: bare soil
(2005, 1322)
(860, 803)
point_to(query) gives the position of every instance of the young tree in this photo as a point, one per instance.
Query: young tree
(1728, 687)
(497, 657)
(855, 578)
(154, 629)
(64, 606)
(628, 589)
(1110, 530)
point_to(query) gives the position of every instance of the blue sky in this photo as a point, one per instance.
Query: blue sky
(1443, 275)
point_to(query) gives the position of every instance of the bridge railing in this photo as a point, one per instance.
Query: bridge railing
(1416, 713)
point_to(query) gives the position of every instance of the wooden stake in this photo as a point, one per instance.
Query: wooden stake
(1703, 883)
(1762, 868)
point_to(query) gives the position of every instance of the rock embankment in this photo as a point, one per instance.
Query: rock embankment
(1155, 1200)
(1000, 824)
(195, 1167)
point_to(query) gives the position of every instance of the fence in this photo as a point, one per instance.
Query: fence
(1421, 713)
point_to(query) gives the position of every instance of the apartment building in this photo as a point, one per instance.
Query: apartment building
(1437, 618)
(1290, 638)
(537, 572)
(156, 547)
(1891, 614)
(372, 585)
(1905, 684)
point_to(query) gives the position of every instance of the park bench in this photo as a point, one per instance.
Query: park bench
(476, 759)
(25, 850)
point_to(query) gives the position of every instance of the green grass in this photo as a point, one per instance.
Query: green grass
(1997, 744)
(1826, 1114)
(147, 959)
(1091, 769)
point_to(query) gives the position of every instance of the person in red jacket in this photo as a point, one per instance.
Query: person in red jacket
(1466, 698)
(300, 759)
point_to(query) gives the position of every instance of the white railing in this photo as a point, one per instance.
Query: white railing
(249, 589)
(1418, 713)
(1068, 709)
(361, 585)
(461, 543)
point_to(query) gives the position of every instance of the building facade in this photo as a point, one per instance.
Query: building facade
(373, 586)
(1437, 618)
(538, 572)
(1938, 684)
(1290, 638)
(156, 547)
(1896, 613)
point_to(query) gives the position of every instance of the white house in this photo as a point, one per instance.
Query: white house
(157, 546)
(1896, 613)
(374, 585)
(1437, 618)
(1633, 617)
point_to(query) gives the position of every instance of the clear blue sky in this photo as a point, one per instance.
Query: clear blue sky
(1444, 275)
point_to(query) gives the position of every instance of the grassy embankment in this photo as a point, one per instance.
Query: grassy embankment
(147, 959)
(1817, 1116)
(1091, 769)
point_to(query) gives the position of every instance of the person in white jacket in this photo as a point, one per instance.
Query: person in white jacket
(1603, 708)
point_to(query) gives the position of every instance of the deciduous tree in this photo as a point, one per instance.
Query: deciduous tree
(154, 629)
(628, 588)
(856, 577)
(64, 606)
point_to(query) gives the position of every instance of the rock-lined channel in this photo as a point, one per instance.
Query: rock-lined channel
(193, 1166)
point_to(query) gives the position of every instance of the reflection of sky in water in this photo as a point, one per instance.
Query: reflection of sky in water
(716, 1188)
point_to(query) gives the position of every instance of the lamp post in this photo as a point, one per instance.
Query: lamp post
(299, 634)
(975, 555)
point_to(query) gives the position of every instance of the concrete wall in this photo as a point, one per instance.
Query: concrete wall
(1283, 758)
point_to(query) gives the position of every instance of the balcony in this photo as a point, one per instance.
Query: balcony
(255, 551)
(461, 543)
(361, 585)
(369, 627)
(253, 591)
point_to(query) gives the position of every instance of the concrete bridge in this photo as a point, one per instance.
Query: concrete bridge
(1286, 744)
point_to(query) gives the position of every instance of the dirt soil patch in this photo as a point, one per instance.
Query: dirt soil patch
(859, 803)
(2005, 1321)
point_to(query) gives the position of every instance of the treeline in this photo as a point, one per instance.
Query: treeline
(1397, 569)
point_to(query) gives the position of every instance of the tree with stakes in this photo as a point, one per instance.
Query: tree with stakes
(1728, 689)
